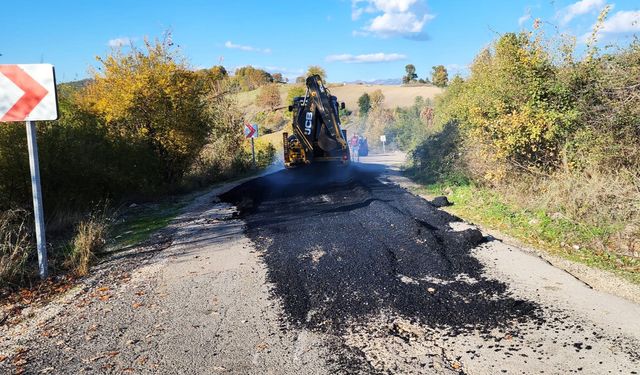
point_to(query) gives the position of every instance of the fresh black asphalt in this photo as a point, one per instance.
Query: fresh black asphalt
(342, 246)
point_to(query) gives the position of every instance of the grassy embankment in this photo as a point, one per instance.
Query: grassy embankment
(548, 231)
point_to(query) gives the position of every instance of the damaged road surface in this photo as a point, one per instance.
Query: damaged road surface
(401, 283)
(326, 271)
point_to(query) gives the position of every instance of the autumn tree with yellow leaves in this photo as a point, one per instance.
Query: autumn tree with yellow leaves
(150, 97)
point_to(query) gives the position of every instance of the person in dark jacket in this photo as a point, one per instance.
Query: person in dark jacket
(363, 148)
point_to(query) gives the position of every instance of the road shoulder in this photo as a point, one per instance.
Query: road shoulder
(600, 280)
(196, 302)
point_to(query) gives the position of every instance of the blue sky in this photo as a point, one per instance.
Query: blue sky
(351, 39)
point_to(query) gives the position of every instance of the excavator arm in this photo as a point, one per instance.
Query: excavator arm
(322, 100)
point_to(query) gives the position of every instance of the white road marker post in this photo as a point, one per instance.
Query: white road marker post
(383, 139)
(28, 93)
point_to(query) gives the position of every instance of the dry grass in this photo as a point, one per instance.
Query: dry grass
(15, 245)
(89, 239)
(608, 201)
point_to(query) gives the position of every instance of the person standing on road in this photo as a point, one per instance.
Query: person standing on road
(354, 143)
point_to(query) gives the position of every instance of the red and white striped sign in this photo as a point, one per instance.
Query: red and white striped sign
(28, 93)
(250, 130)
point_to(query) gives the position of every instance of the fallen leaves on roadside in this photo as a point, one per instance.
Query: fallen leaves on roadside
(19, 361)
(262, 346)
(3, 357)
(456, 365)
(96, 358)
(108, 366)
(13, 302)
(136, 305)
(22, 350)
(49, 333)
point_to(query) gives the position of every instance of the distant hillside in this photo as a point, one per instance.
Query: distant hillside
(394, 96)
(389, 81)
(247, 101)
(76, 84)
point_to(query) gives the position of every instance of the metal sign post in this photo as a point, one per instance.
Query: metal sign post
(38, 211)
(28, 93)
(253, 153)
(251, 131)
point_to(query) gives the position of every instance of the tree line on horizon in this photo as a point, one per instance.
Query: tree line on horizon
(439, 76)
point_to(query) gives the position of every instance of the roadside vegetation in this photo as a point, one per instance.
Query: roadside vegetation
(541, 141)
(145, 126)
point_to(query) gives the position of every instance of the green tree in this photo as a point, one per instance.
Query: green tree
(377, 99)
(213, 76)
(151, 97)
(250, 78)
(411, 74)
(218, 72)
(364, 104)
(439, 76)
(269, 96)
(277, 78)
(316, 70)
(294, 91)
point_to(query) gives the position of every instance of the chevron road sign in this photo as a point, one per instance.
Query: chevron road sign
(28, 93)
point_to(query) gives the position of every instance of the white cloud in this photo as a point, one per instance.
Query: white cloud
(119, 42)
(579, 8)
(399, 23)
(366, 58)
(525, 17)
(394, 5)
(622, 22)
(231, 45)
(405, 18)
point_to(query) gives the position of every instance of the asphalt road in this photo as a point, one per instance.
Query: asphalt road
(323, 271)
(348, 252)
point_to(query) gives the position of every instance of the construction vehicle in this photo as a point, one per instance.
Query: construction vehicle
(317, 135)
